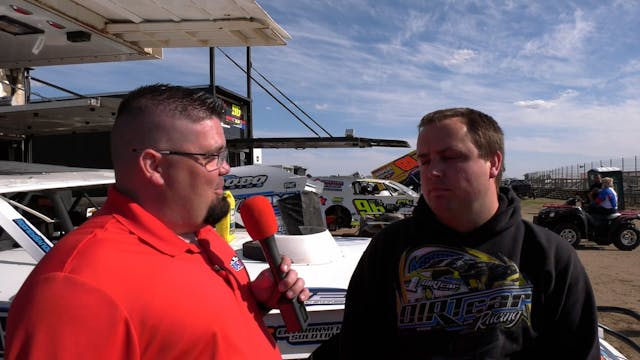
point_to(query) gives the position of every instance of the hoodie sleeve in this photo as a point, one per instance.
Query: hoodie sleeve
(567, 319)
(368, 321)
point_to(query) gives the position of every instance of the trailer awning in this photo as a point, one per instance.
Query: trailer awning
(312, 143)
(57, 32)
(93, 114)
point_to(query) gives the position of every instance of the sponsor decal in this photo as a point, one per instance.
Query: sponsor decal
(232, 182)
(337, 199)
(315, 333)
(290, 185)
(37, 239)
(404, 202)
(326, 296)
(331, 185)
(236, 263)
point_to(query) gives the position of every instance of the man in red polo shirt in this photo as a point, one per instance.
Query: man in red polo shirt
(147, 277)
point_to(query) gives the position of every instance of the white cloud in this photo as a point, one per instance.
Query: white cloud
(563, 97)
(569, 93)
(566, 40)
(570, 128)
(460, 57)
(535, 104)
(633, 66)
(416, 24)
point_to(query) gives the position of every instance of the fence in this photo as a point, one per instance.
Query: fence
(567, 181)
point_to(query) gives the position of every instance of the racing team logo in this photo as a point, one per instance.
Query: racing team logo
(460, 289)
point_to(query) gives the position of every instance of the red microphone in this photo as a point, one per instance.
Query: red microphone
(260, 222)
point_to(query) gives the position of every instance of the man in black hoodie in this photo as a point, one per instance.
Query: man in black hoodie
(465, 277)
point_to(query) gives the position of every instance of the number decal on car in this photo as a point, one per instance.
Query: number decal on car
(368, 206)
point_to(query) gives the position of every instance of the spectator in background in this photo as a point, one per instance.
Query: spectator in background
(595, 188)
(607, 198)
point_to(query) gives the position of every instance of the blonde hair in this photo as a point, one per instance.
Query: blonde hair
(607, 181)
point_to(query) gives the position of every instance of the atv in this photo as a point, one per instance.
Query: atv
(573, 223)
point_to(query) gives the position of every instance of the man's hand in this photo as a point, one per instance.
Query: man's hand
(267, 292)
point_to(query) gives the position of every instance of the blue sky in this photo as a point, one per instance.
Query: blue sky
(562, 78)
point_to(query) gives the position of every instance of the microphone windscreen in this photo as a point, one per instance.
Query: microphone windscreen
(258, 217)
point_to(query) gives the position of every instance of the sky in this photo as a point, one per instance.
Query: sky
(562, 78)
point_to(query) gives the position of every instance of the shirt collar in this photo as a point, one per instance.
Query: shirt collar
(146, 226)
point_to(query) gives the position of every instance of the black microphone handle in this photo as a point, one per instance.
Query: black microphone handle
(293, 311)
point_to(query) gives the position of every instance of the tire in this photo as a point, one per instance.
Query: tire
(569, 232)
(626, 238)
(342, 217)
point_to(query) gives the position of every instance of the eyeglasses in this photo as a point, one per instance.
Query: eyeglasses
(212, 161)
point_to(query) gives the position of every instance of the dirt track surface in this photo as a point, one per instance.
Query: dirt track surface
(615, 277)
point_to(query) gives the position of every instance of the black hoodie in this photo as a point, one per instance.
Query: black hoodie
(506, 290)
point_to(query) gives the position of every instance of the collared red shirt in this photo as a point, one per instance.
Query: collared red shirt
(124, 286)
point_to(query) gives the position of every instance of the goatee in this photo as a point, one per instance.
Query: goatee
(217, 211)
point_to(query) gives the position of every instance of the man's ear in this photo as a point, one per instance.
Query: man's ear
(495, 165)
(150, 164)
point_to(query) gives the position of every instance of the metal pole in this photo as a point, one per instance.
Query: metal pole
(212, 70)
(250, 109)
(27, 85)
(61, 211)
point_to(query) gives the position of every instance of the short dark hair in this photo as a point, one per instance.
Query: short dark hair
(486, 134)
(170, 100)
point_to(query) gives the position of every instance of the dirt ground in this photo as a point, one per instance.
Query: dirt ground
(615, 277)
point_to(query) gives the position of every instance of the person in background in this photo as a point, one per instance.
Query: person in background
(147, 277)
(594, 188)
(607, 198)
(466, 277)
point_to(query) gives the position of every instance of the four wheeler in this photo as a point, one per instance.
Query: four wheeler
(573, 223)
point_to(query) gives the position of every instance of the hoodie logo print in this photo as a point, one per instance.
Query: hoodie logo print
(460, 289)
